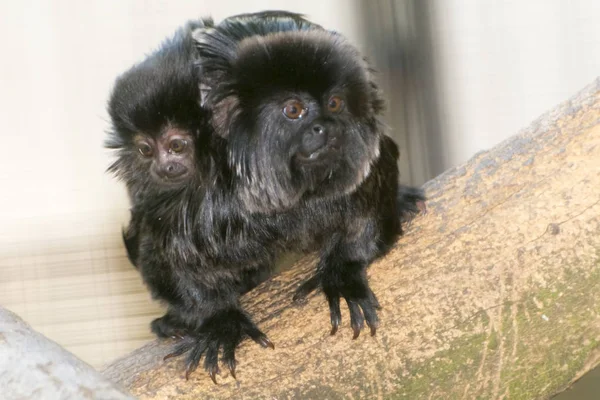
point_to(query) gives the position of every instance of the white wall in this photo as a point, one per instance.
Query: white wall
(501, 64)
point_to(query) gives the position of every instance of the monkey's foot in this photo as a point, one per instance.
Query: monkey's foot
(223, 331)
(410, 201)
(168, 326)
(352, 286)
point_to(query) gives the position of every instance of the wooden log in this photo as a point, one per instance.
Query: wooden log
(34, 367)
(494, 293)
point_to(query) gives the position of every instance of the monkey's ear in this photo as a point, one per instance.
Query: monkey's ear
(223, 114)
(377, 101)
(217, 52)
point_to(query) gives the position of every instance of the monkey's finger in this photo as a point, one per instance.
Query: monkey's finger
(370, 315)
(212, 372)
(356, 318)
(193, 359)
(306, 288)
(229, 357)
(373, 300)
(335, 313)
(264, 341)
(231, 365)
(211, 360)
(229, 354)
(181, 348)
(259, 337)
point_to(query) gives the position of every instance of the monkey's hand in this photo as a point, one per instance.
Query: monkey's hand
(410, 202)
(222, 331)
(348, 281)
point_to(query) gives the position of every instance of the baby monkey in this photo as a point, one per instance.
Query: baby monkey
(163, 148)
(157, 132)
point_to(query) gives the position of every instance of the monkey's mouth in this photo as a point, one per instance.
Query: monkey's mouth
(171, 182)
(324, 154)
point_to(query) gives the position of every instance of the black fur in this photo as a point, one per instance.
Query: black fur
(255, 192)
(411, 201)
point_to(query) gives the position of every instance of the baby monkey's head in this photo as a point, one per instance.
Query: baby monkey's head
(298, 110)
(157, 121)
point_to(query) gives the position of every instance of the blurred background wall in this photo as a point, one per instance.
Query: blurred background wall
(459, 76)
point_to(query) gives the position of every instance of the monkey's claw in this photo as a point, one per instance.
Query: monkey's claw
(265, 342)
(335, 313)
(223, 331)
(212, 372)
(361, 301)
(231, 366)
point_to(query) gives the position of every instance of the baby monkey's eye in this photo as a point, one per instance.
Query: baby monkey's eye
(177, 145)
(145, 149)
(294, 109)
(335, 104)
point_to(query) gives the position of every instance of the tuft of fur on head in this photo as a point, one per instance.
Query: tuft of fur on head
(251, 81)
(224, 37)
(156, 94)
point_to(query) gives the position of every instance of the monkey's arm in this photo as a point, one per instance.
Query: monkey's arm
(410, 201)
(131, 237)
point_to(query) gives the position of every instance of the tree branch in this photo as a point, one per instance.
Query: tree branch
(493, 293)
(33, 367)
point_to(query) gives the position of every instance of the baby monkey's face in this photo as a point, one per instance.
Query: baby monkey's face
(169, 158)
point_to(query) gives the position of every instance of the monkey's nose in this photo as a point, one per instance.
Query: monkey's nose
(172, 170)
(314, 139)
(318, 129)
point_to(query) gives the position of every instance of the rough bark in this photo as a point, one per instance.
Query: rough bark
(494, 293)
(33, 367)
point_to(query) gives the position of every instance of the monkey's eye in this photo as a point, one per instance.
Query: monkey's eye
(294, 109)
(335, 104)
(177, 145)
(145, 149)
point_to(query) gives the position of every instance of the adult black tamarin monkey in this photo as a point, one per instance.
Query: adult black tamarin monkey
(259, 162)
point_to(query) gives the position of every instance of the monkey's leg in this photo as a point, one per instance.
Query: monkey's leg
(251, 278)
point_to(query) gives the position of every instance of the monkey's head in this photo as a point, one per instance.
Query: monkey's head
(157, 121)
(298, 110)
